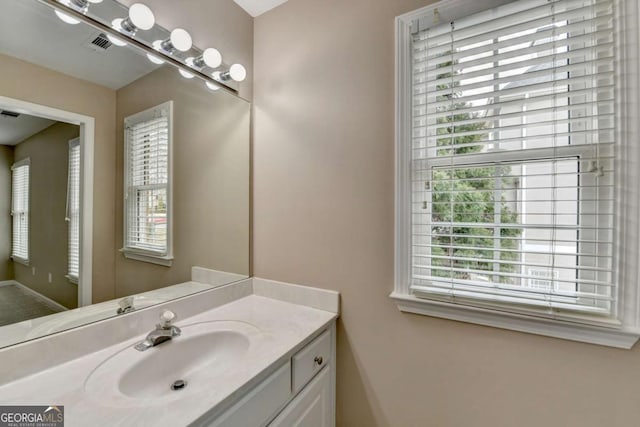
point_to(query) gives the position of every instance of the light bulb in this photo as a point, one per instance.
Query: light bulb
(66, 18)
(94, 1)
(154, 59)
(181, 40)
(211, 57)
(141, 16)
(212, 86)
(185, 74)
(238, 72)
(116, 40)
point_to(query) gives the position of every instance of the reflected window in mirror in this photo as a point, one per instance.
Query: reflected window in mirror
(20, 211)
(73, 210)
(147, 216)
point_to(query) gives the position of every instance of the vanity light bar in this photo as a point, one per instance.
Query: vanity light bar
(124, 33)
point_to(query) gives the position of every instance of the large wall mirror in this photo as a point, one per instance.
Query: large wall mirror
(119, 174)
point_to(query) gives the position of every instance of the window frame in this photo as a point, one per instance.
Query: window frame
(71, 216)
(26, 162)
(621, 333)
(164, 258)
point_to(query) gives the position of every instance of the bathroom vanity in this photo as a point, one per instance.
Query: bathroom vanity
(252, 353)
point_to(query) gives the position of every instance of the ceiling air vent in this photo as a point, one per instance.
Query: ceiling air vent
(99, 43)
(10, 114)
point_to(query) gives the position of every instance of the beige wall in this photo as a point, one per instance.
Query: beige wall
(6, 160)
(212, 23)
(48, 152)
(32, 83)
(323, 197)
(210, 180)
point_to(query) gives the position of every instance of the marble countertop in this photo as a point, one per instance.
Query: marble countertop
(284, 325)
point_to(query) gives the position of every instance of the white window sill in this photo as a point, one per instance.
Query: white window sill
(620, 338)
(163, 260)
(19, 260)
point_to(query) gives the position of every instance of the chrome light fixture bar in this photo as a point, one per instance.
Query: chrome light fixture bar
(74, 14)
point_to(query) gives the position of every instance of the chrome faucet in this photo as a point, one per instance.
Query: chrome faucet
(164, 331)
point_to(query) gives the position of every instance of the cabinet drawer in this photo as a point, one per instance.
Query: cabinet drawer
(310, 360)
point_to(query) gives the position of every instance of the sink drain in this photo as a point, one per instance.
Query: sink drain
(178, 385)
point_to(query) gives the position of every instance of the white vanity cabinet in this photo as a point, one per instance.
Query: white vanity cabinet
(312, 407)
(300, 392)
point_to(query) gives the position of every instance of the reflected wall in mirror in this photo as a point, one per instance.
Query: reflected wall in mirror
(38, 186)
(204, 217)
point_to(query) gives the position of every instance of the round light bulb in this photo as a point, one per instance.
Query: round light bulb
(154, 59)
(212, 57)
(116, 40)
(141, 16)
(94, 1)
(212, 86)
(66, 18)
(181, 40)
(238, 72)
(185, 74)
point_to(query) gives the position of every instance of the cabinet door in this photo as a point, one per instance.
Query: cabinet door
(313, 407)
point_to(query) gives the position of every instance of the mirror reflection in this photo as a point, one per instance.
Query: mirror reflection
(118, 175)
(39, 190)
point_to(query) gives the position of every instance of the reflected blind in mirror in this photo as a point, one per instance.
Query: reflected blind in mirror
(513, 138)
(20, 210)
(147, 180)
(73, 210)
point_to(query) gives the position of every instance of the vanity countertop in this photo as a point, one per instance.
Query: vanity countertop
(285, 327)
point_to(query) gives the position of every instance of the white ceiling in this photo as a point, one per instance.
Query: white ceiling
(258, 7)
(31, 31)
(14, 130)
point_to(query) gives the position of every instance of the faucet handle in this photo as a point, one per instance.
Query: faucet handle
(166, 318)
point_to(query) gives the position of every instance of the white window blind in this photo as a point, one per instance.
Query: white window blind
(20, 210)
(73, 210)
(512, 167)
(147, 181)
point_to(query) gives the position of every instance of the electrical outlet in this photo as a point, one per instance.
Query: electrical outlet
(33, 271)
(50, 278)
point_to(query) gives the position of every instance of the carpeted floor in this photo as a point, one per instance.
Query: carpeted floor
(17, 304)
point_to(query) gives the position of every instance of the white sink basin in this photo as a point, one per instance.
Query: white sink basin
(204, 354)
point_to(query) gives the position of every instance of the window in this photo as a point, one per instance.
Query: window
(73, 210)
(147, 218)
(20, 211)
(507, 171)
